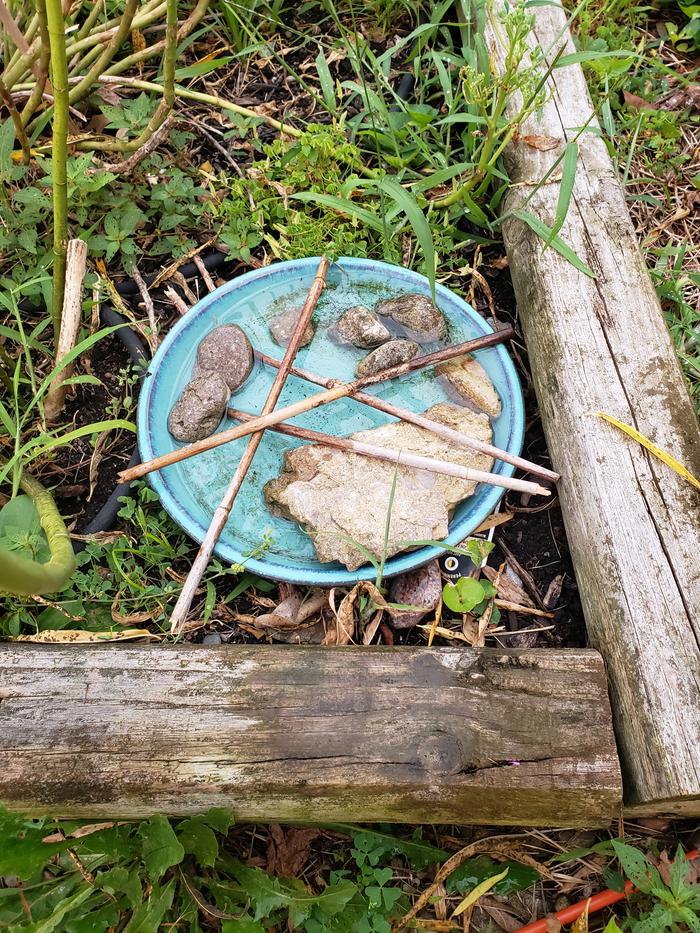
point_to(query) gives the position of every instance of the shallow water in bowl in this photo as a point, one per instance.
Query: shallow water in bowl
(199, 483)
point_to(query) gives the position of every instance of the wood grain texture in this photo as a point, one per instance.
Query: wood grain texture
(280, 733)
(633, 525)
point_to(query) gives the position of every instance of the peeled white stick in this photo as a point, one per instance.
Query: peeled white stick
(220, 517)
(404, 414)
(71, 316)
(431, 464)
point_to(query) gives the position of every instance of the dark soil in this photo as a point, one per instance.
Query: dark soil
(109, 361)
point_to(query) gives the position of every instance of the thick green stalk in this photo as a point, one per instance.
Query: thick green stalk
(59, 157)
(25, 577)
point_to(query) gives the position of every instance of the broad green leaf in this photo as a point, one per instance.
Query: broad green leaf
(637, 867)
(463, 595)
(120, 880)
(418, 854)
(542, 230)
(56, 920)
(612, 927)
(199, 840)
(219, 818)
(160, 846)
(22, 851)
(148, 916)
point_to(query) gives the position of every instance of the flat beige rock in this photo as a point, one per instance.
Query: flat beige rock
(470, 381)
(337, 496)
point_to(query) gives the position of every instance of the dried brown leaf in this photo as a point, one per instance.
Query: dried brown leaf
(288, 850)
(543, 143)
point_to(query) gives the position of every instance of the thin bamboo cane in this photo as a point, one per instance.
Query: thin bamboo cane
(107, 54)
(431, 464)
(59, 157)
(436, 427)
(36, 97)
(314, 401)
(220, 517)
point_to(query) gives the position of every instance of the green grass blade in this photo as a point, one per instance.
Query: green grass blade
(326, 81)
(344, 207)
(566, 188)
(418, 222)
(542, 230)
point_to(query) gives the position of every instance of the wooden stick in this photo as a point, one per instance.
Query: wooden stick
(431, 464)
(71, 316)
(442, 430)
(313, 401)
(220, 517)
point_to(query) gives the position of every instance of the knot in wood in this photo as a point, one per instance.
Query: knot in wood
(442, 753)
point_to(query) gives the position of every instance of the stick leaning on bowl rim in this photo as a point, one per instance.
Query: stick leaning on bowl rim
(223, 510)
(405, 414)
(402, 457)
(342, 390)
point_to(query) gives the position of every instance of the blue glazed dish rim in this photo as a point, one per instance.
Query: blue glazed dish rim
(319, 574)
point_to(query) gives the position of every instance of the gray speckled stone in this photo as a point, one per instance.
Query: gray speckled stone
(421, 318)
(282, 327)
(362, 328)
(421, 587)
(198, 411)
(227, 351)
(389, 354)
(213, 638)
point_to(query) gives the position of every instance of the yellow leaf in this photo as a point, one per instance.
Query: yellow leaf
(81, 637)
(478, 892)
(663, 455)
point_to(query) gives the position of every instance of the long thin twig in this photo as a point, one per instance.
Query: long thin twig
(314, 401)
(416, 462)
(220, 517)
(443, 430)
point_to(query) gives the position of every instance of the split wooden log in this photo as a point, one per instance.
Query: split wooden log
(71, 316)
(277, 733)
(403, 457)
(601, 343)
(223, 510)
(340, 390)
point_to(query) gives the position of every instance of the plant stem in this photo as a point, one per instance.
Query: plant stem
(17, 120)
(59, 157)
(43, 73)
(25, 577)
(111, 48)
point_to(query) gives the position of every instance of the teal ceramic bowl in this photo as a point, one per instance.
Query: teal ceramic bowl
(191, 489)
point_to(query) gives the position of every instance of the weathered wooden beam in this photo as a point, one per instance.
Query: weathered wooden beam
(296, 733)
(601, 343)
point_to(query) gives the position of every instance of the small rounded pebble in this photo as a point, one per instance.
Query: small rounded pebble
(212, 639)
(417, 314)
(200, 408)
(389, 354)
(282, 327)
(227, 351)
(362, 328)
